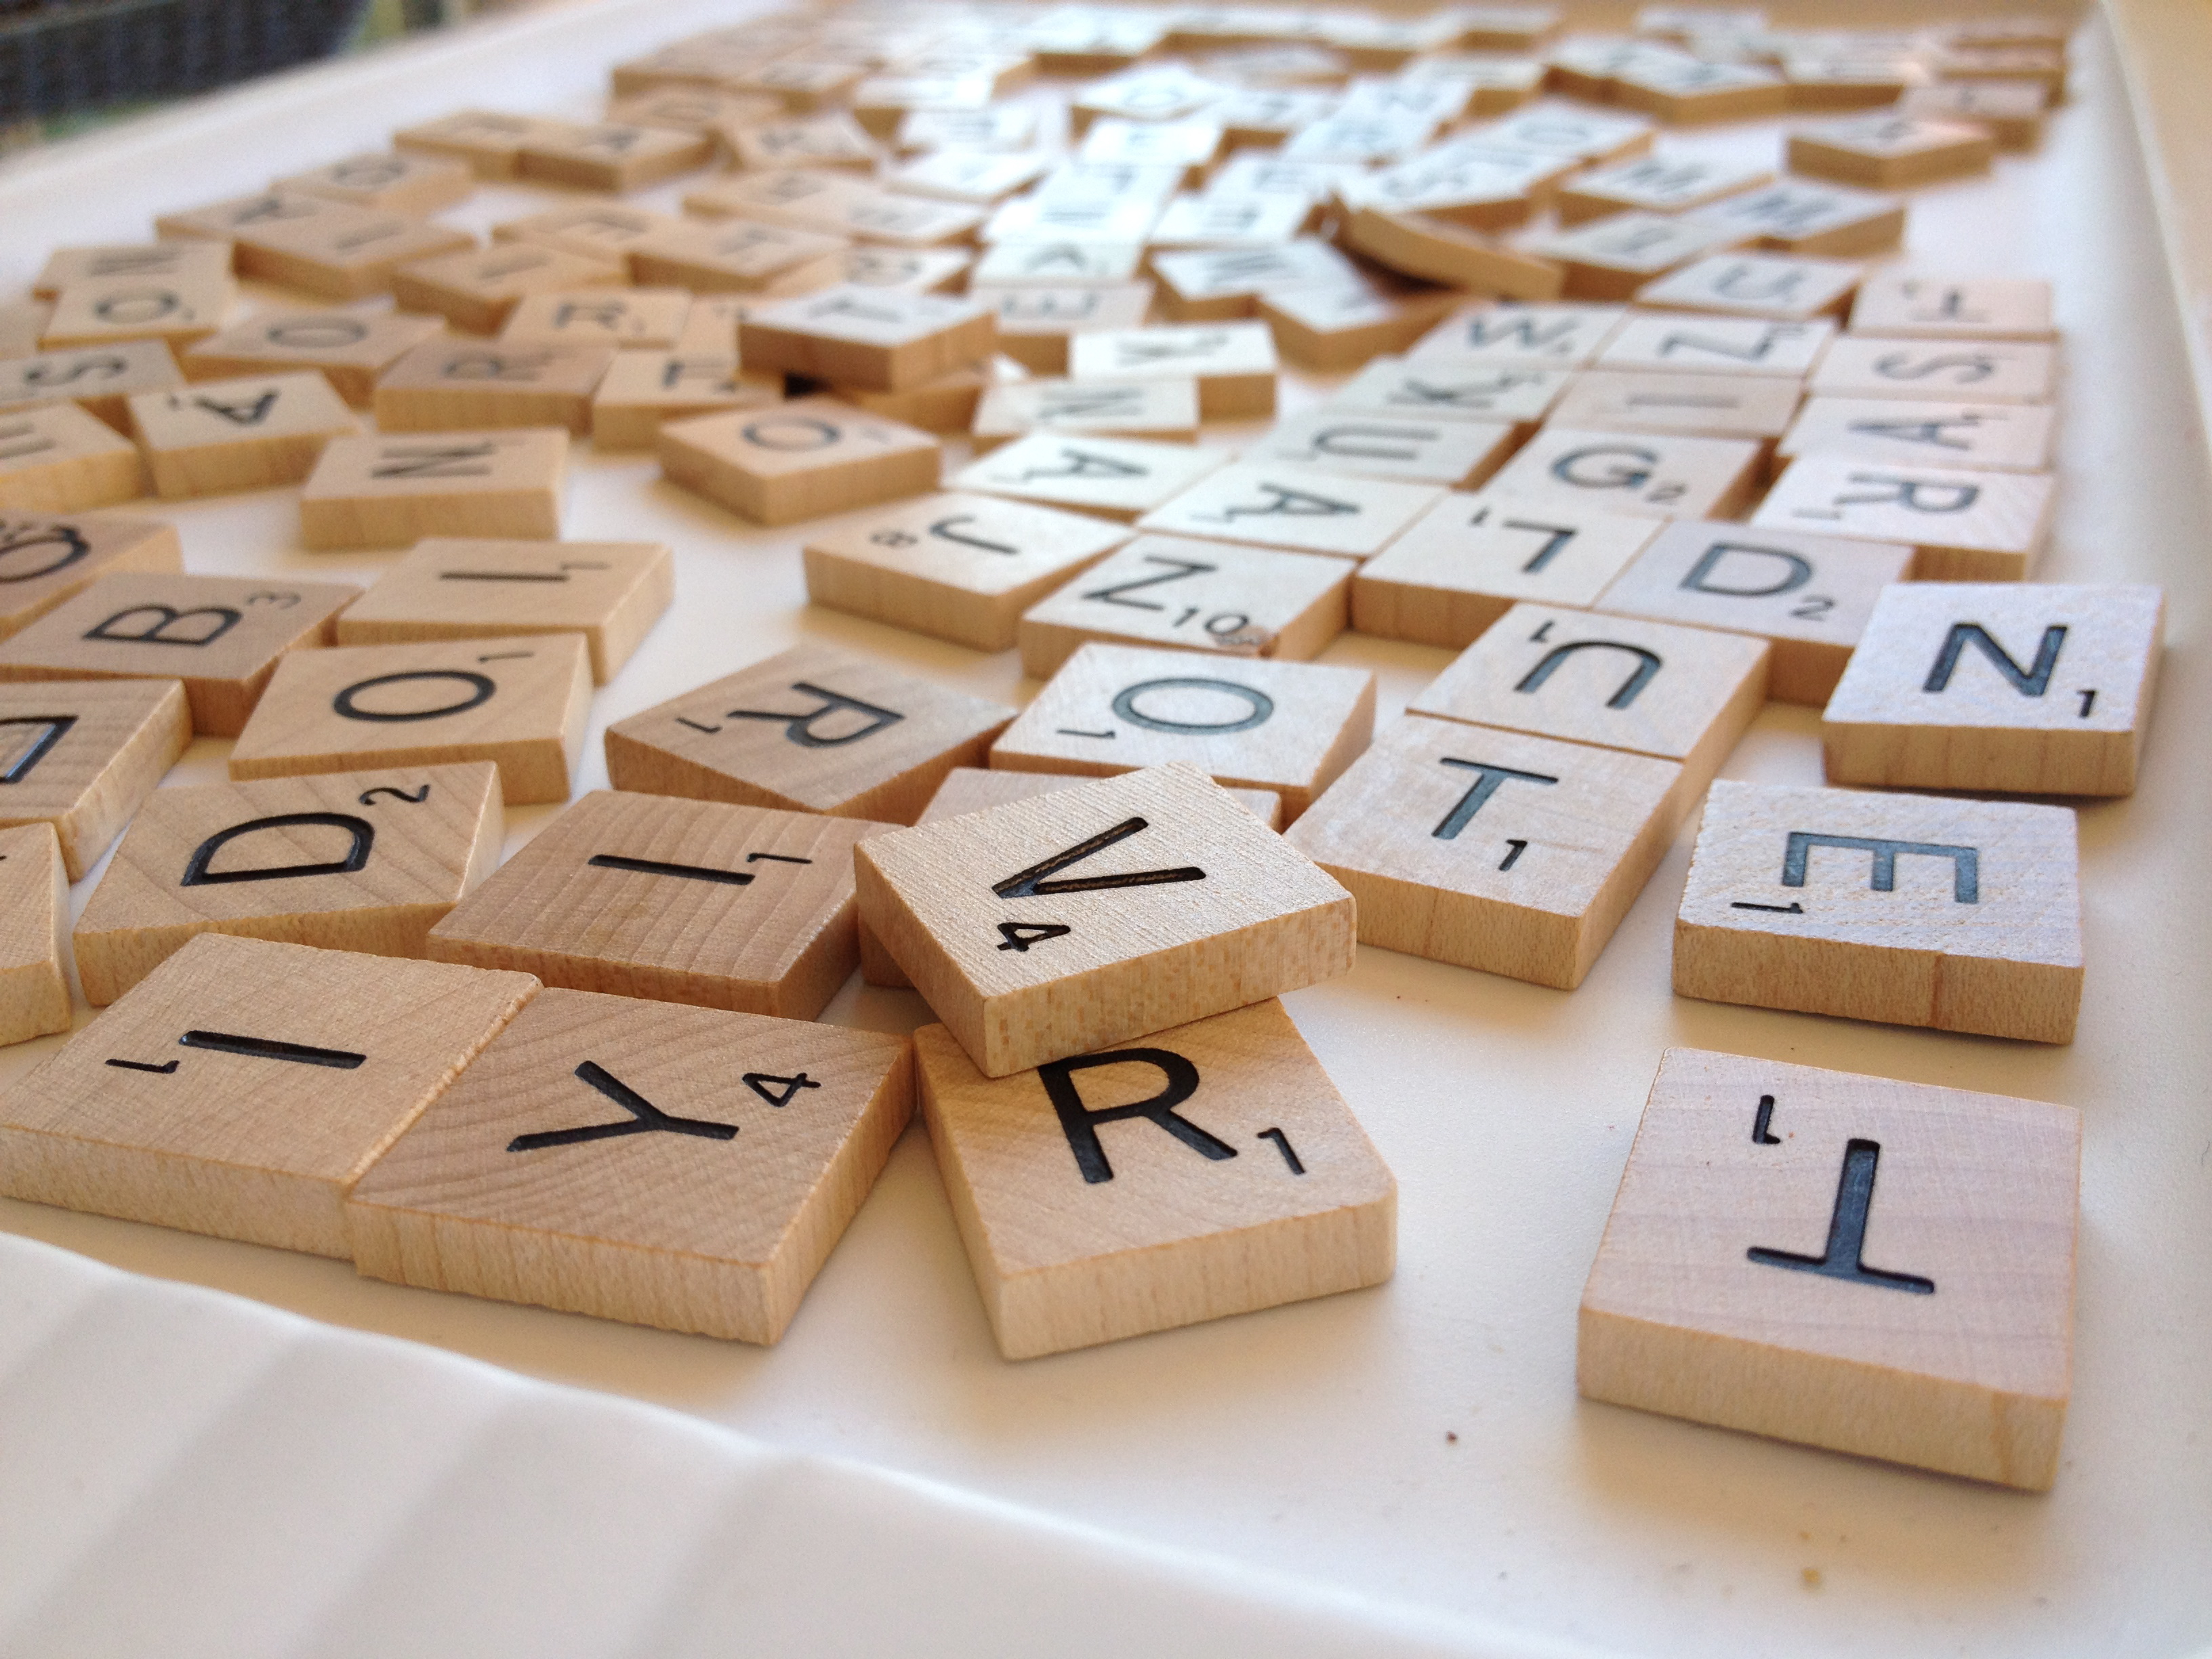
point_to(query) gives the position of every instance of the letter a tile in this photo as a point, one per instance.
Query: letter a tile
(243, 1087)
(1049, 925)
(1963, 916)
(1877, 1267)
(1203, 1171)
(686, 1168)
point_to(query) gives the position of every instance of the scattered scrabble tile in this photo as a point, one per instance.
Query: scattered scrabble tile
(1684, 92)
(606, 231)
(958, 567)
(1985, 371)
(967, 175)
(1536, 336)
(347, 349)
(1797, 216)
(1288, 505)
(1992, 437)
(99, 380)
(222, 436)
(417, 184)
(809, 730)
(1619, 257)
(1260, 1190)
(1759, 407)
(1667, 475)
(21, 322)
(682, 1168)
(1213, 597)
(1330, 327)
(393, 491)
(81, 754)
(206, 1099)
(2029, 688)
(1002, 127)
(945, 405)
(522, 703)
(1446, 389)
(190, 263)
(867, 338)
(1116, 478)
(798, 460)
(692, 109)
(1213, 285)
(490, 144)
(1587, 135)
(1962, 916)
(99, 310)
(1128, 409)
(904, 270)
(1808, 596)
(1655, 183)
(1468, 560)
(1682, 694)
(1902, 306)
(1457, 454)
(1035, 323)
(45, 559)
(450, 385)
(970, 789)
(347, 862)
(331, 248)
(1488, 849)
(1716, 345)
(610, 156)
(468, 589)
(1234, 363)
(636, 316)
(1888, 151)
(1494, 191)
(1436, 250)
(1248, 723)
(1965, 526)
(1030, 952)
(1191, 143)
(831, 138)
(1044, 261)
(1785, 287)
(2011, 111)
(478, 290)
(1945, 1221)
(221, 636)
(1217, 220)
(34, 992)
(738, 257)
(59, 459)
(643, 389)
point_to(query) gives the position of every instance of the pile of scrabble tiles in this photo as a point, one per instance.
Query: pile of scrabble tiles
(1646, 439)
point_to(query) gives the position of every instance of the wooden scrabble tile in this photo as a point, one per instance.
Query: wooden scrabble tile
(1682, 694)
(59, 459)
(1289, 506)
(46, 559)
(221, 636)
(1234, 363)
(1262, 1189)
(692, 109)
(830, 138)
(1984, 371)
(1331, 327)
(222, 436)
(1191, 143)
(1533, 335)
(34, 991)
(1665, 475)
(641, 389)
(1620, 256)
(466, 588)
(1515, 854)
(22, 322)
(2011, 111)
(1116, 478)
(1491, 191)
(1787, 288)
(1656, 184)
(1965, 526)
(450, 385)
(1248, 723)
(736, 256)
(605, 231)
(331, 248)
(1798, 216)
(1902, 306)
(958, 567)
(1808, 596)
(1595, 136)
(1963, 915)
(1153, 92)
(1981, 437)
(521, 705)
(1003, 127)
(1888, 151)
(631, 317)
(1221, 284)
(867, 338)
(540, 1178)
(490, 143)
(102, 311)
(798, 460)
(477, 290)
(945, 405)
(1165, 409)
(680, 901)
(809, 730)
(1758, 407)
(712, 326)
(1716, 345)
(979, 177)
(82, 755)
(193, 264)
(803, 82)
(1469, 559)
(1945, 1220)
(1361, 139)
(1029, 969)
(1209, 597)
(610, 155)
(1439, 251)
(904, 270)
(971, 789)
(1437, 388)
(348, 348)
(1044, 260)
(100, 380)
(2028, 688)
(1035, 323)
(347, 862)
(1455, 454)
(1218, 220)
(419, 185)
(244, 1085)
(393, 491)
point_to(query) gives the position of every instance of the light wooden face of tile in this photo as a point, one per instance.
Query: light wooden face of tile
(478, 289)
(1208, 1170)
(46, 559)
(959, 568)
(244, 1086)
(459, 587)
(1985, 371)
(1440, 389)
(1962, 916)
(637, 318)
(1211, 596)
(445, 386)
(1618, 257)
(1790, 289)
(222, 436)
(1889, 151)
(333, 248)
(1491, 850)
(1049, 926)
(81, 754)
(189, 263)
(61, 458)
(2023, 688)
(1663, 475)
(867, 337)
(1218, 284)
(100, 311)
(1981, 437)
(1539, 336)
(1116, 478)
(1967, 527)
(1757, 407)
(1056, 261)
(520, 703)
(1158, 409)
(1234, 363)
(684, 1168)
(34, 992)
(1808, 596)
(1455, 454)
(810, 730)
(221, 636)
(1899, 305)
(1659, 342)
(971, 789)
(1656, 185)
(348, 348)
(346, 861)
(1289, 726)
(97, 379)
(1876, 1267)
(417, 185)
(393, 491)
(798, 460)
(1289, 505)
(643, 389)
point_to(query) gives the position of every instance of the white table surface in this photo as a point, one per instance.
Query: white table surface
(1309, 1445)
